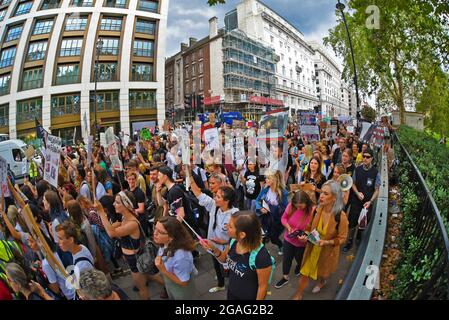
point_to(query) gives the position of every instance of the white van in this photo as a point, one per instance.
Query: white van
(13, 151)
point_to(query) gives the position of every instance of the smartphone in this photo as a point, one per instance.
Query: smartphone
(295, 234)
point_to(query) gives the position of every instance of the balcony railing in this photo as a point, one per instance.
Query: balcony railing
(143, 53)
(6, 62)
(141, 77)
(109, 51)
(29, 116)
(151, 6)
(70, 52)
(4, 121)
(105, 106)
(36, 55)
(65, 110)
(115, 4)
(4, 91)
(66, 80)
(32, 84)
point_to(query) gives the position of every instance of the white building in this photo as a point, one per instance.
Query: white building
(295, 73)
(47, 62)
(328, 83)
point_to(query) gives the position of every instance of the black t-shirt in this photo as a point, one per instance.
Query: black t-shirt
(138, 195)
(253, 180)
(243, 281)
(176, 199)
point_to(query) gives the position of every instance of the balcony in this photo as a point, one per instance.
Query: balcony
(29, 116)
(141, 77)
(66, 79)
(283, 88)
(115, 4)
(6, 62)
(143, 52)
(151, 6)
(32, 84)
(149, 104)
(4, 121)
(4, 90)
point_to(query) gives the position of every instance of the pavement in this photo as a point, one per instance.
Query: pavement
(206, 280)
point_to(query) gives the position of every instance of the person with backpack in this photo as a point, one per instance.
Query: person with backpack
(220, 209)
(321, 258)
(84, 189)
(295, 219)
(130, 234)
(175, 259)
(250, 264)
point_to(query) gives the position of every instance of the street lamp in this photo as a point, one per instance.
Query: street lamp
(340, 6)
(99, 46)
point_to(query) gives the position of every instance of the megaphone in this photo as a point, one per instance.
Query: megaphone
(345, 181)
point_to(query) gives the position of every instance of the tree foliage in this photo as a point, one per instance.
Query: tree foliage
(387, 58)
(368, 113)
(215, 2)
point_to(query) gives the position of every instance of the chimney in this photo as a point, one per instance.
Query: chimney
(213, 27)
(192, 41)
(184, 46)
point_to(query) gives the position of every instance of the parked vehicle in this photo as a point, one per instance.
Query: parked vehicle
(13, 151)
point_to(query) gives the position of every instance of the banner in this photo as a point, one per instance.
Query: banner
(90, 142)
(212, 139)
(378, 135)
(311, 133)
(367, 131)
(184, 142)
(276, 121)
(113, 151)
(41, 133)
(4, 190)
(52, 156)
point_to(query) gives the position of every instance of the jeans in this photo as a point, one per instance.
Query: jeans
(250, 204)
(220, 272)
(289, 252)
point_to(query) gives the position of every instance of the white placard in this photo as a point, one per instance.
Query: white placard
(112, 150)
(239, 144)
(184, 142)
(211, 138)
(103, 140)
(52, 156)
(90, 142)
(3, 175)
(312, 133)
(331, 132)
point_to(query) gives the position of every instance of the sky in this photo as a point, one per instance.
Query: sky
(190, 18)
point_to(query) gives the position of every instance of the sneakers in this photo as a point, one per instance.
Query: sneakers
(297, 270)
(216, 289)
(318, 287)
(280, 252)
(281, 283)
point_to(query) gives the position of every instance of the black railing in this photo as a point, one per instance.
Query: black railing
(426, 235)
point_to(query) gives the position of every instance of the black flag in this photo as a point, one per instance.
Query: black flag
(41, 132)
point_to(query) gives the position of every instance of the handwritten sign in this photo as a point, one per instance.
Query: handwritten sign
(4, 190)
(52, 156)
(112, 149)
(211, 138)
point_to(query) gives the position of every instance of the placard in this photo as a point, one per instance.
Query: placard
(331, 132)
(52, 156)
(239, 150)
(4, 190)
(113, 151)
(311, 133)
(350, 129)
(103, 140)
(90, 142)
(211, 139)
(307, 118)
(184, 141)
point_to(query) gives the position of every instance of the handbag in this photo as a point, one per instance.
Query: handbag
(146, 256)
(363, 219)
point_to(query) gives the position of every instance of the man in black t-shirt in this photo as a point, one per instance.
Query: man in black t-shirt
(140, 200)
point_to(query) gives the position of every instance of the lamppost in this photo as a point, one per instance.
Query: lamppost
(99, 46)
(340, 6)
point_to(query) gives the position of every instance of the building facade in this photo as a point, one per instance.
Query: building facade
(329, 84)
(294, 72)
(49, 53)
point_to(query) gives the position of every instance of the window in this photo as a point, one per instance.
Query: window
(107, 71)
(106, 101)
(67, 73)
(193, 70)
(143, 48)
(32, 79)
(67, 104)
(145, 26)
(283, 70)
(42, 27)
(272, 39)
(5, 2)
(23, 8)
(76, 24)
(201, 84)
(7, 57)
(36, 51)
(71, 47)
(110, 46)
(200, 67)
(290, 60)
(282, 57)
(3, 14)
(14, 33)
(142, 72)
(111, 24)
(146, 5)
(4, 84)
(4, 115)
(50, 4)
(115, 3)
(200, 53)
(82, 3)
(193, 86)
(140, 99)
(281, 44)
(28, 110)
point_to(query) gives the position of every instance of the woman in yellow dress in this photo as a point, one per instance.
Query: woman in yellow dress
(321, 259)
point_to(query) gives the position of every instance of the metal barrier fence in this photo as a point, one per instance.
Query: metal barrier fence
(433, 242)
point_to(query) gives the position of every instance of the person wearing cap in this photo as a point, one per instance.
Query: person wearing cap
(366, 183)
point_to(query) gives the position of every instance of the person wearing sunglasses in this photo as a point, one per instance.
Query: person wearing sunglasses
(366, 183)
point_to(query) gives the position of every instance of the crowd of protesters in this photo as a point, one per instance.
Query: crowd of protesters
(98, 220)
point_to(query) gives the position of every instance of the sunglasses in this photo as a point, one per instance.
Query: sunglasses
(366, 157)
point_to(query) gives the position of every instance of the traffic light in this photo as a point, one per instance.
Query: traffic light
(200, 102)
(187, 101)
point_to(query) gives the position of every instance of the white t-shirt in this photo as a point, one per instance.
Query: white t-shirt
(83, 265)
(54, 277)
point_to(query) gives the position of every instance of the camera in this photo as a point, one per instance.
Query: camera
(295, 234)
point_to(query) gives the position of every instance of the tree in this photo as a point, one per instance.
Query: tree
(215, 2)
(387, 58)
(368, 113)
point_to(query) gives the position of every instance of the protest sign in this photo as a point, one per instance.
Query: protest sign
(90, 142)
(4, 190)
(103, 140)
(334, 122)
(350, 129)
(212, 139)
(274, 124)
(378, 135)
(113, 150)
(184, 141)
(239, 150)
(367, 131)
(145, 134)
(307, 118)
(331, 132)
(310, 132)
(52, 156)
(238, 124)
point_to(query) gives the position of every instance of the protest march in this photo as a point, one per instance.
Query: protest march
(145, 208)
